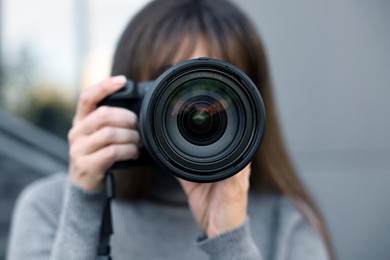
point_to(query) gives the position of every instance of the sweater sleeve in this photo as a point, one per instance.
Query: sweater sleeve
(235, 244)
(296, 238)
(290, 236)
(49, 224)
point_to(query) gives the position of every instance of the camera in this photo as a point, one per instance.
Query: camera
(202, 120)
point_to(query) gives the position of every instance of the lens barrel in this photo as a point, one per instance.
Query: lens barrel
(203, 120)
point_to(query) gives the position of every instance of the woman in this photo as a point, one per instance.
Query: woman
(263, 212)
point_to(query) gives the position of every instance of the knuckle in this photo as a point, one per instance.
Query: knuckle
(108, 134)
(85, 98)
(133, 117)
(103, 112)
(110, 153)
(71, 135)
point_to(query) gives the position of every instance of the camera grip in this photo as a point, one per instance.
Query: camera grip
(130, 97)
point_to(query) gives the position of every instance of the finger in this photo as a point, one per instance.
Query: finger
(92, 96)
(101, 117)
(106, 136)
(187, 185)
(246, 172)
(104, 158)
(243, 174)
(240, 181)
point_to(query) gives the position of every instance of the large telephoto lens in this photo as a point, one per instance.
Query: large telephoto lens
(203, 120)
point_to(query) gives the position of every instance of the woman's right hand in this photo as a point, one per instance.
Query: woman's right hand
(100, 136)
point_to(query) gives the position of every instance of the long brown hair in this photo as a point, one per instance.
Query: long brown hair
(149, 44)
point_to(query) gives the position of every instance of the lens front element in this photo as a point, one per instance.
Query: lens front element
(202, 120)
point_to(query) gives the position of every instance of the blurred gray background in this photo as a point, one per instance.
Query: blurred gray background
(330, 63)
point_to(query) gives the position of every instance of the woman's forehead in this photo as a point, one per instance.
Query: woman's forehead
(192, 48)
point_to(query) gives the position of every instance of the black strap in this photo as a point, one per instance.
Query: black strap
(106, 229)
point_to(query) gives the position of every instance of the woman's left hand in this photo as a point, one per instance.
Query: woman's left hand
(220, 206)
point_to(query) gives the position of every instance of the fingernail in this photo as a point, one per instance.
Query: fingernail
(118, 79)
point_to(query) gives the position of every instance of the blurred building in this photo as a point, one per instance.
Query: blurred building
(26, 153)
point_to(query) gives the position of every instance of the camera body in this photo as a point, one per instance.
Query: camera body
(202, 120)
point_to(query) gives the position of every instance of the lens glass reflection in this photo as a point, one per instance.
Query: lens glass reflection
(202, 112)
(202, 120)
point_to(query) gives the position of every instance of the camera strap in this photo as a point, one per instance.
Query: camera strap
(106, 228)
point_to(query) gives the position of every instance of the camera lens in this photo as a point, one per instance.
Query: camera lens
(199, 120)
(202, 120)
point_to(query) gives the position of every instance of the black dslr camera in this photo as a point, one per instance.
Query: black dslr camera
(202, 120)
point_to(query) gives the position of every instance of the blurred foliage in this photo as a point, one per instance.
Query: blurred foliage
(48, 109)
(27, 95)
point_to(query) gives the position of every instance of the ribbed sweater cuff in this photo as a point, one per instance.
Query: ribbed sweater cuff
(84, 206)
(78, 231)
(235, 244)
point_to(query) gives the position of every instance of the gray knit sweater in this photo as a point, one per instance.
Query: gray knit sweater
(54, 219)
